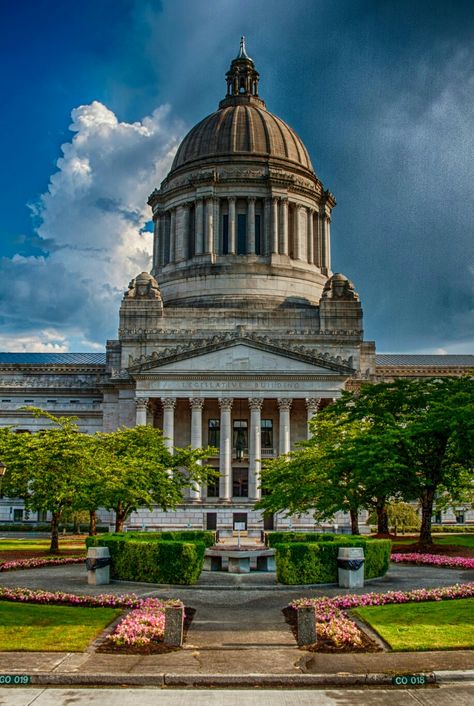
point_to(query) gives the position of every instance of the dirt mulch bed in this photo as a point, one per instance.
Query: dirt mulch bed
(443, 549)
(36, 554)
(153, 648)
(368, 645)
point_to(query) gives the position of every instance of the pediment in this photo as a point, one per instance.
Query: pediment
(239, 355)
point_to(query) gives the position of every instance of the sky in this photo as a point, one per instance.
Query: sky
(97, 96)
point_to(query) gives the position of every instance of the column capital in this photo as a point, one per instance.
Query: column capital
(313, 402)
(255, 403)
(142, 402)
(168, 402)
(275, 199)
(231, 199)
(284, 403)
(225, 403)
(196, 402)
(251, 198)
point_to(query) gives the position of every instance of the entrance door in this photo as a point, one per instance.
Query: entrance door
(239, 518)
(268, 523)
(211, 520)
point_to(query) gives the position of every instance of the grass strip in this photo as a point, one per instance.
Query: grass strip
(51, 628)
(446, 625)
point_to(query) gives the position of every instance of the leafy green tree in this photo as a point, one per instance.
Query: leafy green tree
(401, 517)
(47, 469)
(137, 470)
(430, 424)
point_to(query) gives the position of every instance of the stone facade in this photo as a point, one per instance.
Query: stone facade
(241, 332)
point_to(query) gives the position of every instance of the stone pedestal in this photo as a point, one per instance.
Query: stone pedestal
(350, 562)
(98, 566)
(306, 625)
(174, 622)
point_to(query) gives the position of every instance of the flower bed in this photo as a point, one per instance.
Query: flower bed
(142, 626)
(334, 626)
(451, 562)
(36, 563)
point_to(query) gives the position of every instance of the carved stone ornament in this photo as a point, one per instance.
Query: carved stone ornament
(284, 404)
(196, 402)
(255, 403)
(225, 403)
(144, 286)
(168, 402)
(339, 287)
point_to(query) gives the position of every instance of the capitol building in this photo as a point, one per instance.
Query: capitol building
(242, 330)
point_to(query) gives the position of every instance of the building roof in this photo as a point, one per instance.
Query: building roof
(417, 360)
(52, 358)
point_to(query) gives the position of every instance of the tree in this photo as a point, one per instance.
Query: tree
(401, 517)
(47, 469)
(431, 425)
(137, 470)
(344, 466)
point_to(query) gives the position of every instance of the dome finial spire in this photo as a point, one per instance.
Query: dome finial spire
(243, 51)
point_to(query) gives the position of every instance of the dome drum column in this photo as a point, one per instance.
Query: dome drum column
(283, 227)
(310, 236)
(274, 247)
(199, 227)
(209, 227)
(267, 214)
(251, 225)
(231, 202)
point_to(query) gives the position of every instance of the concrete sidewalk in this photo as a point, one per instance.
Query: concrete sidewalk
(237, 637)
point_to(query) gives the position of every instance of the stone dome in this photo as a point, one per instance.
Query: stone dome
(240, 127)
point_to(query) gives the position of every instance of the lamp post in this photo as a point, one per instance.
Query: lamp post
(3, 468)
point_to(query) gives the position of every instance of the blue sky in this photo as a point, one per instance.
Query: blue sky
(379, 91)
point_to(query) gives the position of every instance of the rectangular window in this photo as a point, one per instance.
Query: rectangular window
(213, 488)
(258, 235)
(240, 438)
(225, 234)
(460, 517)
(267, 433)
(240, 483)
(17, 515)
(214, 432)
(239, 518)
(241, 234)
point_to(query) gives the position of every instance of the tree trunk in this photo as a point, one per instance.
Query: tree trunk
(427, 501)
(92, 523)
(120, 517)
(382, 518)
(54, 546)
(354, 521)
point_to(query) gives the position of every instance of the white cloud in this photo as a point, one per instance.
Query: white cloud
(45, 341)
(92, 221)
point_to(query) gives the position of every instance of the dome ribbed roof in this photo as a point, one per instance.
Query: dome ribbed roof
(242, 128)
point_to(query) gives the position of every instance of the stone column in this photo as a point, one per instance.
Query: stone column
(325, 243)
(251, 225)
(225, 455)
(157, 236)
(274, 228)
(309, 236)
(283, 227)
(209, 230)
(255, 448)
(141, 406)
(231, 231)
(197, 404)
(179, 239)
(199, 227)
(217, 227)
(173, 235)
(312, 404)
(284, 405)
(299, 233)
(267, 215)
(169, 403)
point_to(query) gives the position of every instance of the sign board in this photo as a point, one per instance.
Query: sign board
(14, 679)
(410, 680)
(239, 526)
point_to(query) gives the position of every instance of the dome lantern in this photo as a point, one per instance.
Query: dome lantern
(242, 77)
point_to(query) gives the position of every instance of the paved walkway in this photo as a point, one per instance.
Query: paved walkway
(238, 631)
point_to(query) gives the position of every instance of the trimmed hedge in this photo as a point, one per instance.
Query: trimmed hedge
(316, 562)
(273, 538)
(134, 559)
(208, 537)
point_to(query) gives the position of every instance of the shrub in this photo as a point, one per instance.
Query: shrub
(316, 562)
(273, 538)
(153, 561)
(206, 536)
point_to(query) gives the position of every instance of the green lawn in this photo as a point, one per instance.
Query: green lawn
(444, 625)
(30, 545)
(460, 540)
(26, 627)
